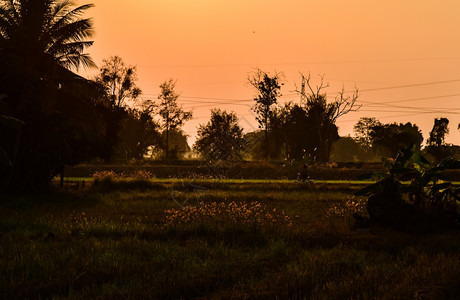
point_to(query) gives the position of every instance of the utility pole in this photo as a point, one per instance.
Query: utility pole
(303, 96)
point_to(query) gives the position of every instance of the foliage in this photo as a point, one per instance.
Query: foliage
(221, 138)
(436, 146)
(39, 40)
(387, 139)
(172, 115)
(268, 88)
(308, 131)
(115, 245)
(323, 115)
(363, 130)
(44, 32)
(253, 147)
(347, 149)
(394, 203)
(178, 144)
(138, 133)
(118, 82)
(439, 132)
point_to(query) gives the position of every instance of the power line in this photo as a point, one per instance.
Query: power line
(416, 99)
(302, 63)
(409, 85)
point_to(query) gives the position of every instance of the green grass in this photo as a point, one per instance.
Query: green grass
(111, 241)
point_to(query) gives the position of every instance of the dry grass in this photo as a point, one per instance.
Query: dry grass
(254, 240)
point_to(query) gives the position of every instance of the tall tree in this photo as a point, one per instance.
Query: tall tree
(269, 88)
(172, 115)
(221, 138)
(439, 132)
(363, 128)
(40, 42)
(323, 115)
(45, 33)
(388, 139)
(118, 81)
(436, 147)
(138, 133)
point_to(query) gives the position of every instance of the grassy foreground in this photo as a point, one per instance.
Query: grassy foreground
(129, 240)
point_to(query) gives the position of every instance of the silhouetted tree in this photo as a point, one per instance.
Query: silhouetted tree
(362, 130)
(268, 88)
(138, 133)
(178, 144)
(388, 139)
(39, 41)
(436, 147)
(439, 132)
(253, 145)
(46, 33)
(323, 116)
(119, 81)
(347, 149)
(289, 135)
(172, 115)
(221, 138)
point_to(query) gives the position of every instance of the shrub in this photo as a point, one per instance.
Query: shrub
(412, 192)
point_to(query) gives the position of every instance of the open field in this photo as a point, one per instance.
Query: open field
(136, 239)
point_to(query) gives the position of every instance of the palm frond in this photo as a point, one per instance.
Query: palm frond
(76, 31)
(75, 60)
(61, 49)
(69, 17)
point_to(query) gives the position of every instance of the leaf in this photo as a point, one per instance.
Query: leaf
(409, 189)
(370, 189)
(420, 162)
(409, 176)
(403, 170)
(441, 186)
(404, 156)
(448, 163)
(387, 164)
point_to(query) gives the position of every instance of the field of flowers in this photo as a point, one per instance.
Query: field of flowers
(135, 239)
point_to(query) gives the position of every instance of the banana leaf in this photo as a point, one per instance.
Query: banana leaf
(441, 186)
(370, 189)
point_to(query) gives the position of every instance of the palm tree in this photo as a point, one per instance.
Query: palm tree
(41, 32)
(41, 43)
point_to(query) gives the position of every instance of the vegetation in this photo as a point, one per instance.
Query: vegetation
(268, 88)
(123, 233)
(388, 139)
(221, 138)
(131, 243)
(39, 42)
(426, 203)
(118, 82)
(172, 115)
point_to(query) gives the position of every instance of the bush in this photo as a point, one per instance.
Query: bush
(413, 193)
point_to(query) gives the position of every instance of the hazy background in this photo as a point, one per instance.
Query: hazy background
(210, 46)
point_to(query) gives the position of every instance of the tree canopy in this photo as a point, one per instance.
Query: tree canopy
(172, 115)
(221, 138)
(40, 41)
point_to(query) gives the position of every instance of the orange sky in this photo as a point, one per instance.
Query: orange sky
(209, 46)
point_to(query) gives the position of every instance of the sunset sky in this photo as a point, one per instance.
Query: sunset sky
(403, 56)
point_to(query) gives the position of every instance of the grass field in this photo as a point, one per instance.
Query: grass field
(135, 239)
